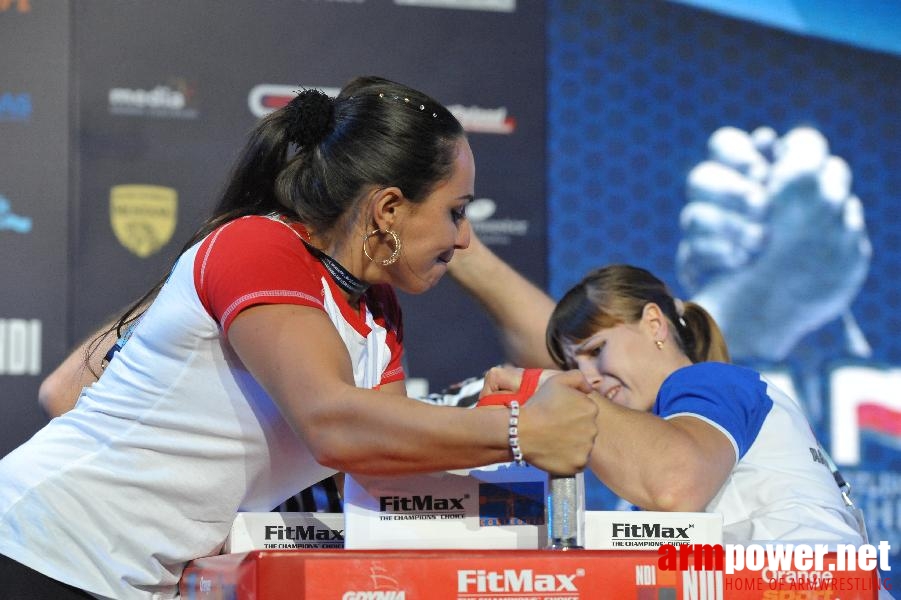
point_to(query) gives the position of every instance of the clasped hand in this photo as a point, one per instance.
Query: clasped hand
(557, 426)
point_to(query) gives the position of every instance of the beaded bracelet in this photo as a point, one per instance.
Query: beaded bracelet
(514, 433)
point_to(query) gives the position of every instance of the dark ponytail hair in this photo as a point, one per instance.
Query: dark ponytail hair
(618, 294)
(314, 159)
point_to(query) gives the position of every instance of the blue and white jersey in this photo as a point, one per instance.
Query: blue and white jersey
(780, 487)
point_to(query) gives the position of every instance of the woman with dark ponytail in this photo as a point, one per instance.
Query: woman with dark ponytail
(270, 358)
(681, 429)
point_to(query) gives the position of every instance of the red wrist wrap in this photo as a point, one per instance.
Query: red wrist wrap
(526, 388)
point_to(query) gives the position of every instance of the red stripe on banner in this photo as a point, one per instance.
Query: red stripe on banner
(275, 102)
(879, 418)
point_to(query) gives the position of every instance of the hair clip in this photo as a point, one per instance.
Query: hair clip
(406, 101)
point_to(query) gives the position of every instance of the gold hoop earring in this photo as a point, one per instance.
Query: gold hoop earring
(659, 344)
(394, 255)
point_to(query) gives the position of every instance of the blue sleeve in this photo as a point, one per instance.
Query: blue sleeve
(731, 398)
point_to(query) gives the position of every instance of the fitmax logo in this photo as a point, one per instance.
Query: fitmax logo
(307, 533)
(420, 503)
(515, 580)
(651, 531)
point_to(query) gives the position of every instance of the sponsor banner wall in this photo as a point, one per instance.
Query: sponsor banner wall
(162, 94)
(34, 206)
(161, 99)
(647, 99)
(160, 124)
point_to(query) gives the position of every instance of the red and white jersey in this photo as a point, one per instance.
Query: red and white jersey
(149, 469)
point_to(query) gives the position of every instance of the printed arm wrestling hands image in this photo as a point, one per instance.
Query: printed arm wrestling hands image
(774, 241)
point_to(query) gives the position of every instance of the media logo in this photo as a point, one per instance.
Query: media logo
(143, 217)
(486, 5)
(20, 346)
(10, 221)
(268, 97)
(15, 107)
(476, 119)
(494, 231)
(173, 100)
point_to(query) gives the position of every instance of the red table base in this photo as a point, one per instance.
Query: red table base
(497, 575)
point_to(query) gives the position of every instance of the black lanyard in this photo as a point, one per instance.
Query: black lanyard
(345, 280)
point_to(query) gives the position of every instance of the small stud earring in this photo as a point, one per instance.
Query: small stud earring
(659, 344)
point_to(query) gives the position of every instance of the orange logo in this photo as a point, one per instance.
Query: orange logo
(22, 6)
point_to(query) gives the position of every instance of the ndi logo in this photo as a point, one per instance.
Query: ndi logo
(20, 346)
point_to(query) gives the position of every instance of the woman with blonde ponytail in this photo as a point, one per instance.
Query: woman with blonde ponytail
(681, 429)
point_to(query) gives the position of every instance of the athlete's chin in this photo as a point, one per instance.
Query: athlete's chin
(623, 399)
(639, 404)
(423, 282)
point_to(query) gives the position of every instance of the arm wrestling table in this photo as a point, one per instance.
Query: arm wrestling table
(498, 575)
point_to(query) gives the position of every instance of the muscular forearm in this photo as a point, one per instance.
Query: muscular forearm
(388, 435)
(360, 430)
(385, 435)
(656, 464)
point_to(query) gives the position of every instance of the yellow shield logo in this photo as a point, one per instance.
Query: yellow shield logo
(143, 216)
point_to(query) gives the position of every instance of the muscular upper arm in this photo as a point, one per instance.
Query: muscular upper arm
(296, 354)
(709, 456)
(395, 387)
